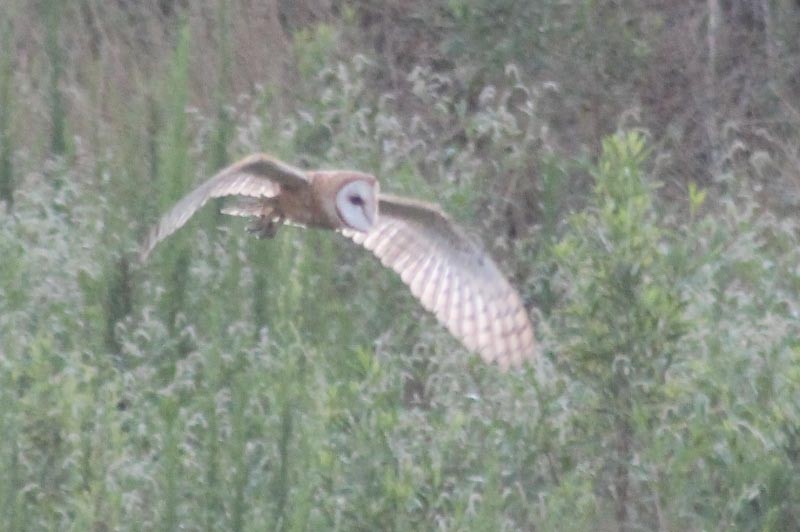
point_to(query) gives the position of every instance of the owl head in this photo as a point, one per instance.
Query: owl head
(356, 201)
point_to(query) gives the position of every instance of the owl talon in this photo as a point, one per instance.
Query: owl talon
(264, 227)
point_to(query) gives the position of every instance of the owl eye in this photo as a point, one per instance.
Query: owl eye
(356, 200)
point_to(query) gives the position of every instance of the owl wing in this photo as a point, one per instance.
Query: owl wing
(452, 277)
(256, 176)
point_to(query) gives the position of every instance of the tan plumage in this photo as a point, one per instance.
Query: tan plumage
(445, 270)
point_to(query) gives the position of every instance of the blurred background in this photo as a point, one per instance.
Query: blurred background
(633, 166)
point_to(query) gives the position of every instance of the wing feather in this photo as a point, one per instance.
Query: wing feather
(257, 176)
(428, 288)
(453, 278)
(421, 276)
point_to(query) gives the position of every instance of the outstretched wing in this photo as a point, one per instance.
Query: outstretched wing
(453, 278)
(257, 176)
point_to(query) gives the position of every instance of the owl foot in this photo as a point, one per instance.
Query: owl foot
(265, 227)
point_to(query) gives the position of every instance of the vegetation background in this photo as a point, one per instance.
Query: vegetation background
(634, 166)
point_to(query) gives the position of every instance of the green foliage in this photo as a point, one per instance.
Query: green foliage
(624, 315)
(500, 32)
(292, 384)
(174, 140)
(174, 165)
(224, 125)
(52, 16)
(733, 410)
(313, 49)
(6, 117)
(496, 29)
(677, 388)
(626, 301)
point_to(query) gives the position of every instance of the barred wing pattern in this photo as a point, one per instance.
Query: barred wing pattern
(256, 176)
(452, 277)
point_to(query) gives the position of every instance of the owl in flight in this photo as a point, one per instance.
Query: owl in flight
(446, 271)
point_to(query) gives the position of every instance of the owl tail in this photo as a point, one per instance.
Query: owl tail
(247, 207)
(266, 221)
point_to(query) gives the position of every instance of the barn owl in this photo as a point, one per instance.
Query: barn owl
(445, 270)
